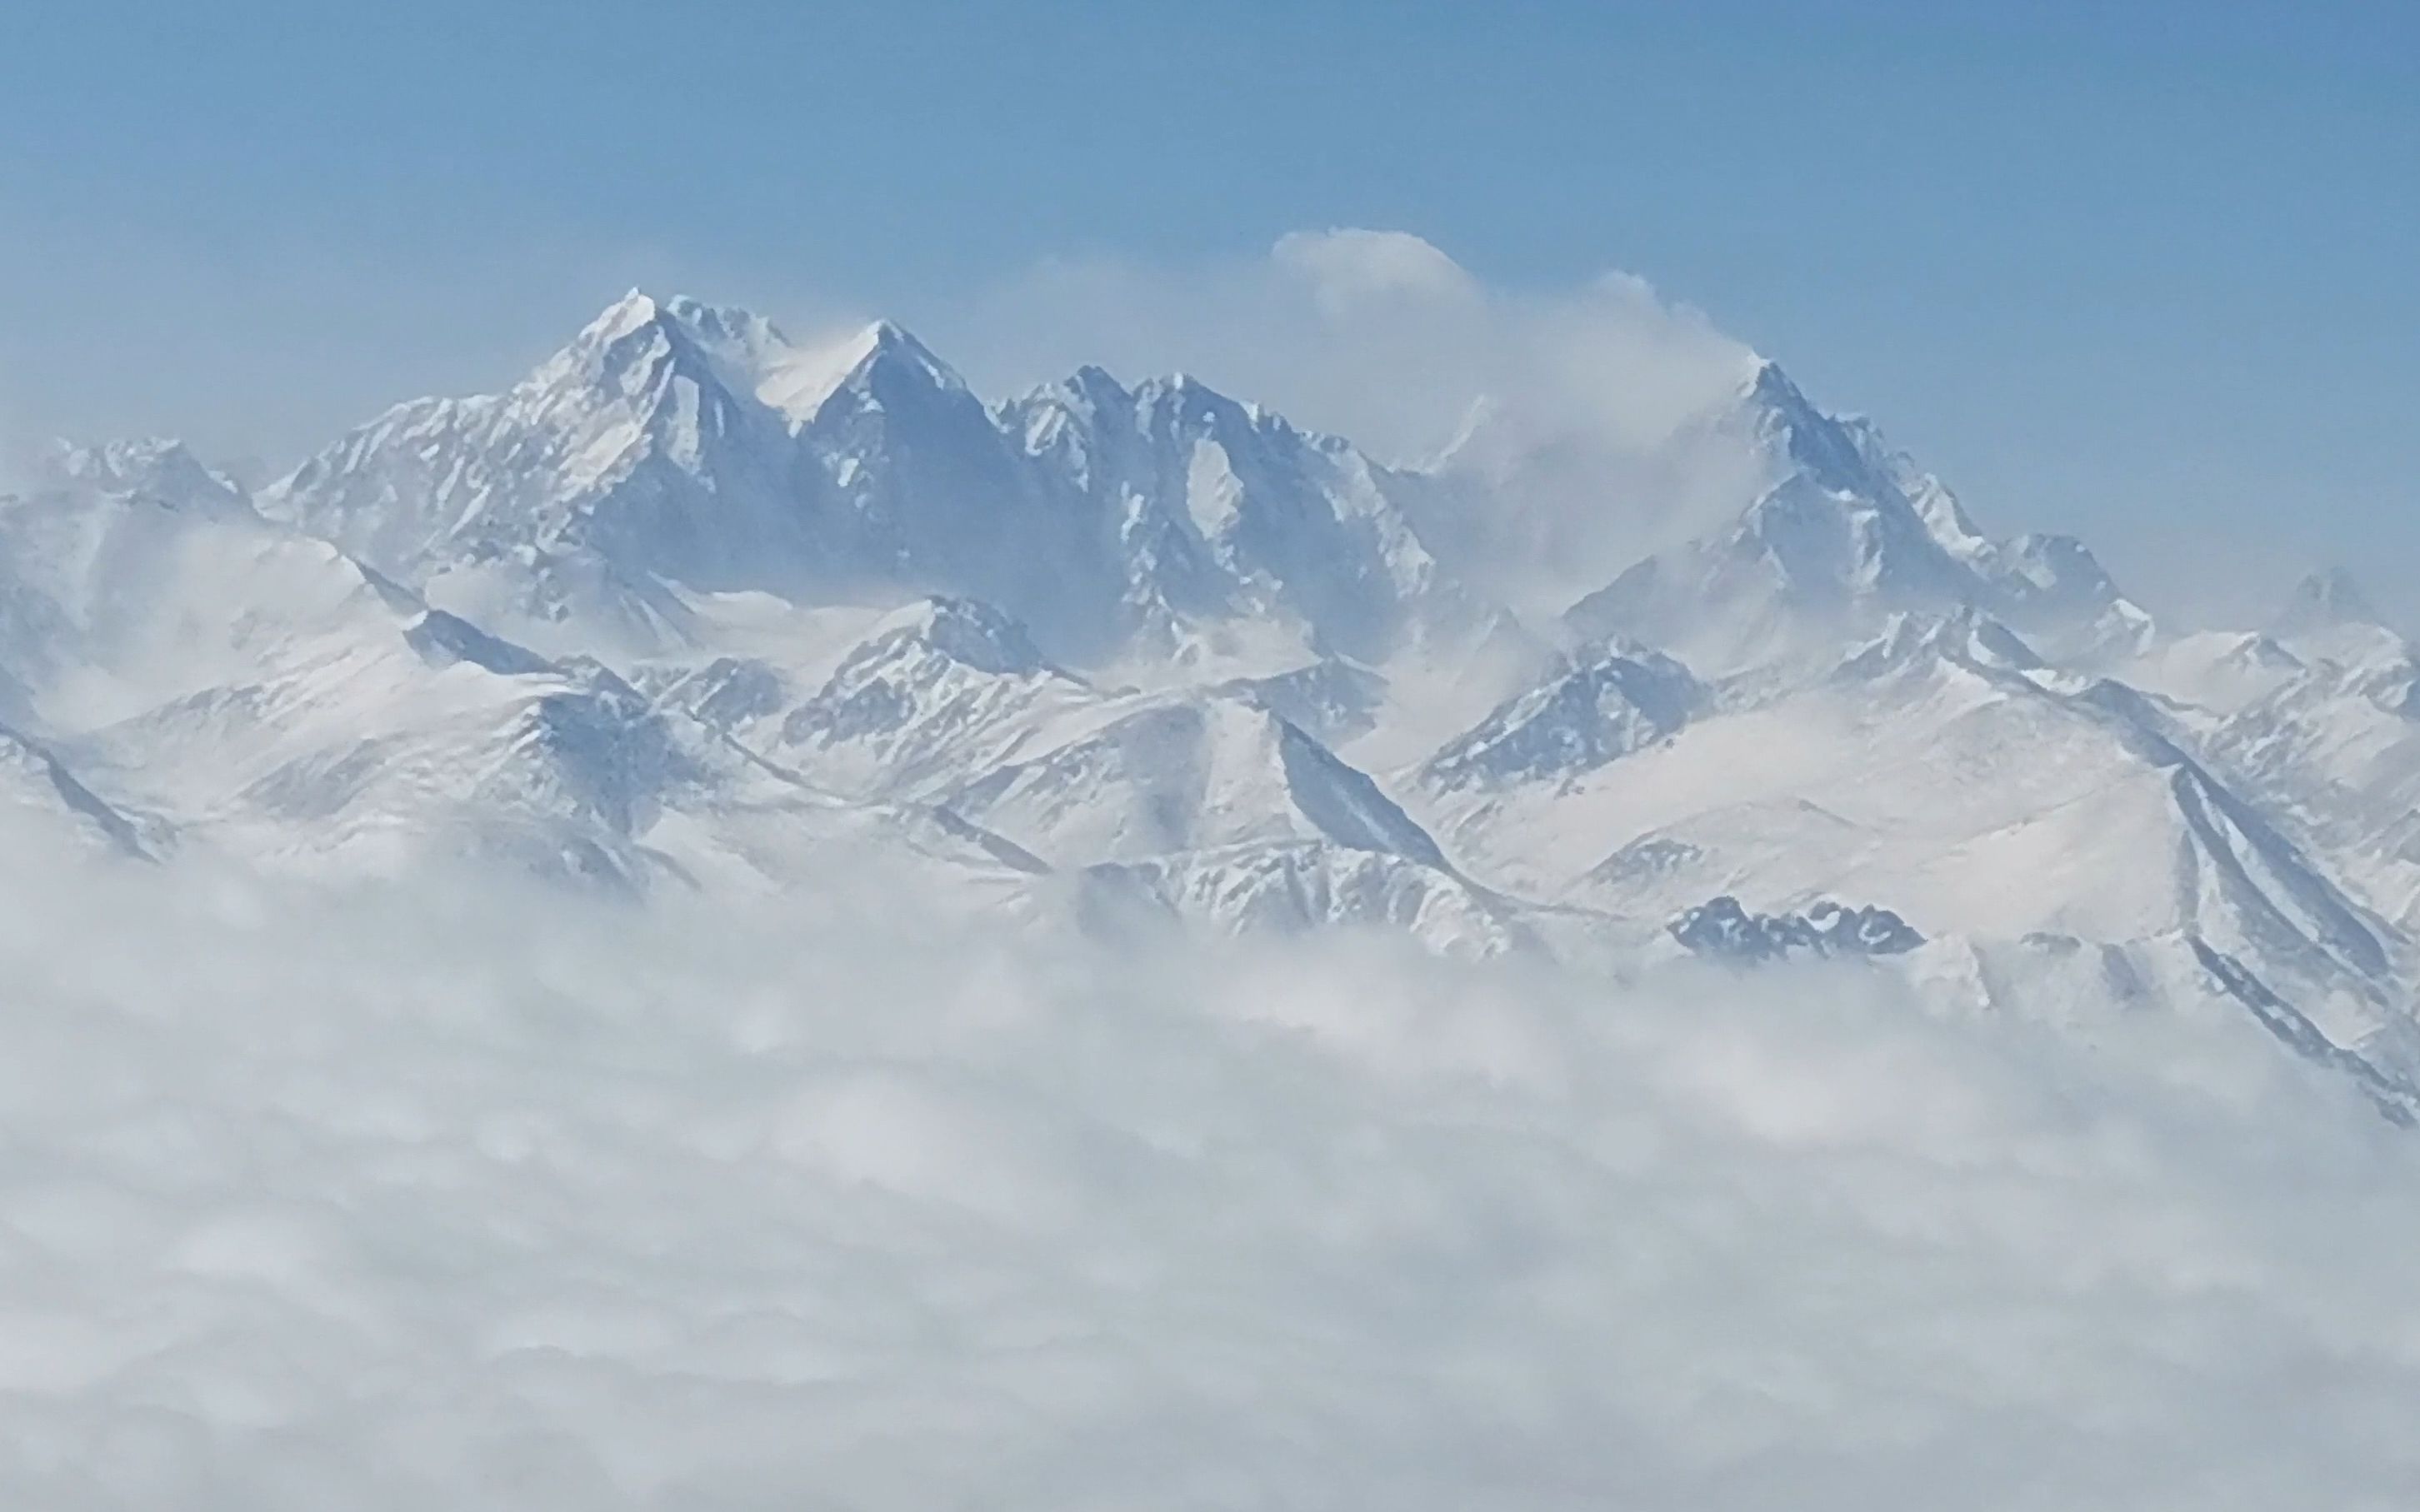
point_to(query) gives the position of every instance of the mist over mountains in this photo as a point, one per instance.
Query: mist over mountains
(752, 875)
(694, 608)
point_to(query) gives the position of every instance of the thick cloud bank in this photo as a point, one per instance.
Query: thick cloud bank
(431, 1199)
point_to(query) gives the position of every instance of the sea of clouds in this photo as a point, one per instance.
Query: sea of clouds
(443, 1195)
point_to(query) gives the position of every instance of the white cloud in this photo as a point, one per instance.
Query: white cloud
(1350, 266)
(449, 1196)
(1381, 337)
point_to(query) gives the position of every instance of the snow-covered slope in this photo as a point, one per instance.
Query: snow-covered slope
(941, 688)
(1296, 887)
(1944, 773)
(693, 605)
(1847, 534)
(284, 700)
(1194, 773)
(1604, 701)
(44, 803)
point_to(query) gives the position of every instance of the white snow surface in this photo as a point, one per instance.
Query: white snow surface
(690, 601)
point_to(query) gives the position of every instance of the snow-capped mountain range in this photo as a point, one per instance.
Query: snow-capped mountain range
(691, 606)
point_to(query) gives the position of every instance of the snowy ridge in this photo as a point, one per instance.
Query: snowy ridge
(47, 798)
(1602, 703)
(677, 445)
(1848, 534)
(694, 606)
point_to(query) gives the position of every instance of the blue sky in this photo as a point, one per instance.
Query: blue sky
(2142, 272)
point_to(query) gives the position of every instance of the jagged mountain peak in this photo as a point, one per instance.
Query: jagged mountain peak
(966, 630)
(1857, 473)
(639, 338)
(638, 311)
(887, 349)
(1849, 533)
(1765, 389)
(668, 442)
(1805, 557)
(1164, 405)
(1603, 701)
(2329, 621)
(1966, 637)
(634, 310)
(745, 353)
(938, 687)
(1826, 446)
(1186, 389)
(1170, 403)
(2325, 599)
(1764, 382)
(1186, 772)
(677, 445)
(158, 469)
(1097, 384)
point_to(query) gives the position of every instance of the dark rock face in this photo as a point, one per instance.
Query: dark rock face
(1723, 930)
